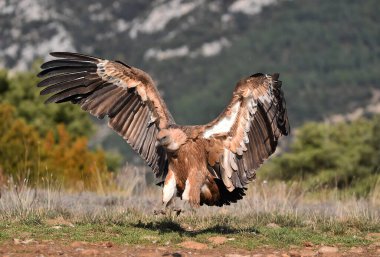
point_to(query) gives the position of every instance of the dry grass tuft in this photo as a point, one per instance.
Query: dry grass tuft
(134, 202)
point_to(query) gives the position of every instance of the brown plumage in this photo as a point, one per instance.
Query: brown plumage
(208, 164)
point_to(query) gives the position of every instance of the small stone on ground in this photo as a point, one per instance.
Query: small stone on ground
(308, 253)
(237, 255)
(328, 249)
(357, 250)
(217, 240)
(193, 245)
(89, 252)
(373, 236)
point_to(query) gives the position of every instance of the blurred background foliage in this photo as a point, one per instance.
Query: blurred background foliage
(20, 91)
(326, 156)
(47, 141)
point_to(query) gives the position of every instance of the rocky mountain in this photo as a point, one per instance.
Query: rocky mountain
(33, 28)
(328, 52)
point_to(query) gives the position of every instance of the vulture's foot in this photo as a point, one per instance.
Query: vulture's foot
(159, 212)
(169, 211)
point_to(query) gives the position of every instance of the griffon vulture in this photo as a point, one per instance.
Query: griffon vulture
(207, 164)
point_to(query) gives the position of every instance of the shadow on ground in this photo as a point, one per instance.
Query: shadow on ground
(168, 226)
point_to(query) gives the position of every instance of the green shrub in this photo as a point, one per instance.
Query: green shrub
(343, 156)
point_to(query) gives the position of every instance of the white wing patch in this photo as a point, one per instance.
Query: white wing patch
(225, 124)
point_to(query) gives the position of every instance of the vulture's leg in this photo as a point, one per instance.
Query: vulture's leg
(170, 189)
(168, 193)
(192, 192)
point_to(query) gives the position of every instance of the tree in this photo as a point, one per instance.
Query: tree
(20, 90)
(24, 154)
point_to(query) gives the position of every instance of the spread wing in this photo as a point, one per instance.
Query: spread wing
(247, 131)
(123, 93)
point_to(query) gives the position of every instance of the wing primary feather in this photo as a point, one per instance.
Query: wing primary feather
(75, 93)
(250, 160)
(88, 104)
(242, 171)
(75, 56)
(64, 86)
(261, 151)
(152, 148)
(272, 137)
(118, 121)
(140, 119)
(118, 105)
(252, 148)
(148, 142)
(94, 101)
(257, 143)
(103, 105)
(132, 125)
(61, 78)
(62, 95)
(101, 92)
(129, 117)
(66, 69)
(66, 62)
(142, 134)
(162, 162)
(264, 135)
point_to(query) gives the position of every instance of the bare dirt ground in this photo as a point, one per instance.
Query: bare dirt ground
(189, 248)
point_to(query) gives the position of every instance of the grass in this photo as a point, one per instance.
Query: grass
(164, 231)
(277, 215)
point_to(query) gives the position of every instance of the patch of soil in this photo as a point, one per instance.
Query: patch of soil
(30, 247)
(218, 240)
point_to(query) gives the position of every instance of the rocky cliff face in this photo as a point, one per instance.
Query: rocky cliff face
(31, 29)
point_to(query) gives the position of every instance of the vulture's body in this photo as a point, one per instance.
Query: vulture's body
(207, 164)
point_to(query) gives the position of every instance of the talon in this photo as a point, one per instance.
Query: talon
(177, 211)
(158, 212)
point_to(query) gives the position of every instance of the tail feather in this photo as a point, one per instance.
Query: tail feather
(227, 197)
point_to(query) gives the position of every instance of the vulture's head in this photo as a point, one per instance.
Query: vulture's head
(171, 138)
